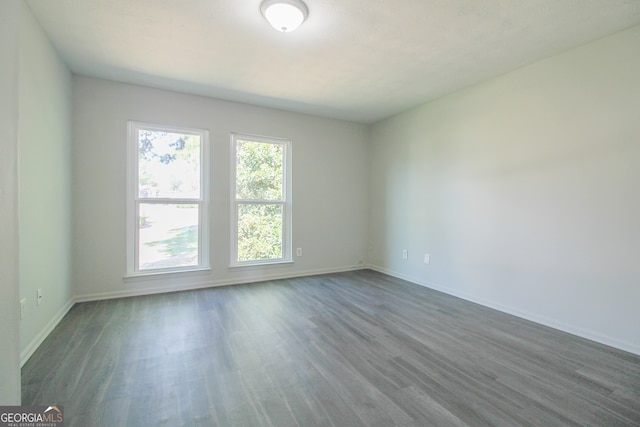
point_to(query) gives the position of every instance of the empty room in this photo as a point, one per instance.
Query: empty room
(320, 213)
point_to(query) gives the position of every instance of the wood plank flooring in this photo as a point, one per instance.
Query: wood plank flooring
(348, 349)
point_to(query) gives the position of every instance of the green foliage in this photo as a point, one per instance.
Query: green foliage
(259, 177)
(259, 172)
(259, 232)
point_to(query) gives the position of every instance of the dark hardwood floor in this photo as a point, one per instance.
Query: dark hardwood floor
(348, 349)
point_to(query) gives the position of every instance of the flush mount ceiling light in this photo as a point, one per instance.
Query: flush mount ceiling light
(284, 15)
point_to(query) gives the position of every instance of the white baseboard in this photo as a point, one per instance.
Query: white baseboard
(209, 284)
(44, 333)
(561, 326)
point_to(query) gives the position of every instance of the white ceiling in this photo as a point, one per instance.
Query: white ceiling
(360, 60)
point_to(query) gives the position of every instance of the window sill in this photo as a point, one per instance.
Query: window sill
(254, 265)
(150, 275)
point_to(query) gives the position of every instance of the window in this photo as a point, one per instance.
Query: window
(167, 206)
(261, 200)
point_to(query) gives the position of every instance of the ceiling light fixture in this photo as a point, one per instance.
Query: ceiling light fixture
(284, 15)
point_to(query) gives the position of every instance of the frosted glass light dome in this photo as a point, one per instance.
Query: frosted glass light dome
(284, 15)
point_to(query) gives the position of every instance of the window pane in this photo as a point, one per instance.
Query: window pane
(259, 232)
(259, 171)
(168, 235)
(168, 165)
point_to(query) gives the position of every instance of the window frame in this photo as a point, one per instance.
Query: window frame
(286, 203)
(134, 200)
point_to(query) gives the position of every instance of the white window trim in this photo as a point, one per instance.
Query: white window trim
(133, 200)
(287, 226)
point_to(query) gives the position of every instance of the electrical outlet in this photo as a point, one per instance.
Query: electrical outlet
(405, 254)
(427, 258)
(299, 252)
(23, 303)
(39, 295)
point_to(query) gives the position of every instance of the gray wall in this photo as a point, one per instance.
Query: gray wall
(9, 284)
(45, 183)
(329, 185)
(525, 190)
